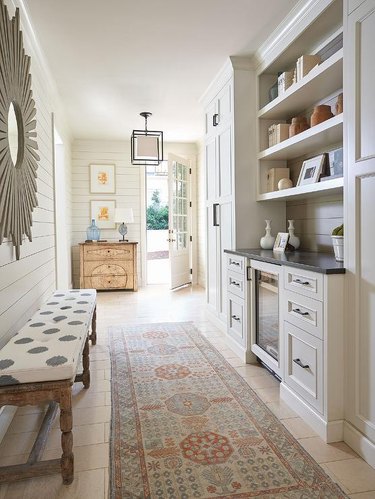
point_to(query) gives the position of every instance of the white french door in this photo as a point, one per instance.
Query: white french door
(179, 175)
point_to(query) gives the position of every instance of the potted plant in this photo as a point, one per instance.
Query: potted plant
(338, 242)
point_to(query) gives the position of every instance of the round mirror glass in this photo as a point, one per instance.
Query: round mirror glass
(13, 133)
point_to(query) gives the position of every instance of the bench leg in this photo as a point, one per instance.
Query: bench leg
(66, 424)
(86, 364)
(93, 328)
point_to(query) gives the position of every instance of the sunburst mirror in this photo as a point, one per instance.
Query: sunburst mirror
(18, 157)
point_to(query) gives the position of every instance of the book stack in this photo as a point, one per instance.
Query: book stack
(284, 81)
(277, 133)
(305, 64)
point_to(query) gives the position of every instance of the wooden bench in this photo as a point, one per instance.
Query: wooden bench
(39, 364)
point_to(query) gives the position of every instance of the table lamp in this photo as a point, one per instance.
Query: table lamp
(123, 216)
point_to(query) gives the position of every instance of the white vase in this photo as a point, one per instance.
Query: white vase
(267, 241)
(293, 239)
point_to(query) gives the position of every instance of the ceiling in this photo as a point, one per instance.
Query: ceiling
(113, 59)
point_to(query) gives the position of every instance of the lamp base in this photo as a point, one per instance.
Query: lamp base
(123, 240)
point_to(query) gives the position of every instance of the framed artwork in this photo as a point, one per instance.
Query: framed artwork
(103, 211)
(102, 179)
(281, 241)
(311, 170)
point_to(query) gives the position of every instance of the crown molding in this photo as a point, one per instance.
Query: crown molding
(292, 25)
(232, 64)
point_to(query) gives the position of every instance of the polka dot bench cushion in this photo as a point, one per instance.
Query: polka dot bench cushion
(49, 346)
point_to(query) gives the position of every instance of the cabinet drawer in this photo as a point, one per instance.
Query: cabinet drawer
(236, 318)
(304, 282)
(120, 268)
(236, 263)
(304, 313)
(304, 365)
(109, 282)
(108, 252)
(236, 283)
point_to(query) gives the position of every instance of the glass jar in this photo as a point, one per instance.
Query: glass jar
(93, 231)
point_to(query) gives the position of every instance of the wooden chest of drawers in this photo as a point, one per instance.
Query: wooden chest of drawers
(108, 265)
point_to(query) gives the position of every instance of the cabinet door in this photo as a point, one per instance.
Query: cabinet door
(224, 105)
(212, 262)
(211, 168)
(224, 161)
(360, 209)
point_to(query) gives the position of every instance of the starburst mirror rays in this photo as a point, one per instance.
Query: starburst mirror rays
(18, 146)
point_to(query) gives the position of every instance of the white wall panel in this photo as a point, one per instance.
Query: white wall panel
(24, 284)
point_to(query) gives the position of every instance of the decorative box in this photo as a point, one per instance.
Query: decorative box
(273, 177)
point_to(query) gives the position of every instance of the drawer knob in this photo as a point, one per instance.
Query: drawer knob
(298, 281)
(235, 318)
(299, 312)
(299, 363)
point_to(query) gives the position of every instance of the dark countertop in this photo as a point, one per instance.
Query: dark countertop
(324, 263)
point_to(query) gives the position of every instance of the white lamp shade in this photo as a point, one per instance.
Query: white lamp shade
(124, 215)
(147, 146)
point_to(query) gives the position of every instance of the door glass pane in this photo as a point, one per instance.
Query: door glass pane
(267, 303)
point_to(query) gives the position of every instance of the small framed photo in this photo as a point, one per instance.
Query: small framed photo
(311, 170)
(102, 179)
(103, 211)
(281, 241)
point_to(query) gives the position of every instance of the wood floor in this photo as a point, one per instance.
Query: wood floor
(92, 411)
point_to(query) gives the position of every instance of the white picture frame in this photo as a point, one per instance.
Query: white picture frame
(103, 211)
(311, 170)
(281, 242)
(102, 179)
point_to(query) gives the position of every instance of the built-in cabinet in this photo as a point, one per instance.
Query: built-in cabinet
(233, 216)
(359, 223)
(323, 38)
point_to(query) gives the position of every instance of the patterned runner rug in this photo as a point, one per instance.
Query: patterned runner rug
(186, 425)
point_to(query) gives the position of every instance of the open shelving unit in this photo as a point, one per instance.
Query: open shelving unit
(322, 85)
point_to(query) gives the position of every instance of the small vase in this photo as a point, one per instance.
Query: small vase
(299, 124)
(293, 239)
(268, 240)
(93, 231)
(320, 114)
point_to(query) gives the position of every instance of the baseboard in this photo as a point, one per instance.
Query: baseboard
(216, 321)
(236, 348)
(7, 413)
(361, 444)
(332, 431)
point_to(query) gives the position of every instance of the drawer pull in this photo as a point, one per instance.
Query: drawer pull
(237, 264)
(299, 363)
(235, 283)
(235, 318)
(298, 311)
(298, 281)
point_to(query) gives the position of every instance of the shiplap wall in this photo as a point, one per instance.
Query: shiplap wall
(128, 189)
(315, 219)
(24, 284)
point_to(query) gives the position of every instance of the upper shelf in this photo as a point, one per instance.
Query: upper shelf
(322, 81)
(313, 139)
(332, 186)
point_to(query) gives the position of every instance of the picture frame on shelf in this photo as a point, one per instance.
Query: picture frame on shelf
(281, 242)
(102, 179)
(311, 170)
(103, 211)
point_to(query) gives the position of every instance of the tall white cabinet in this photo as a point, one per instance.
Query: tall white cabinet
(233, 217)
(359, 73)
